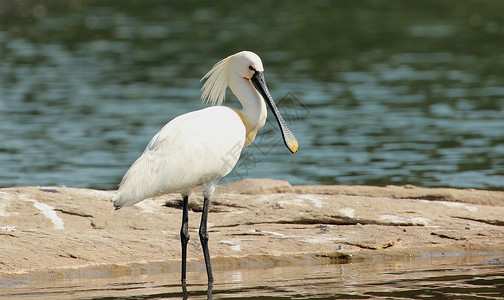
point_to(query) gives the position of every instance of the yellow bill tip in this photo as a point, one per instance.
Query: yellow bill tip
(293, 146)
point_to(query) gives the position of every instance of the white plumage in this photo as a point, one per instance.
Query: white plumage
(177, 158)
(200, 147)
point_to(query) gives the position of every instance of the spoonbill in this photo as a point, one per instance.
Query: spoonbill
(200, 147)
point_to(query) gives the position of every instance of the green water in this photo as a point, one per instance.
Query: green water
(377, 92)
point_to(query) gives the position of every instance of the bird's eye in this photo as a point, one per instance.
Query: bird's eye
(251, 68)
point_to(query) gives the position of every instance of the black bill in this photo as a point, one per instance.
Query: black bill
(260, 85)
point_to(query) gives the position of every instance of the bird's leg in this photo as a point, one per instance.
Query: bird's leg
(185, 295)
(184, 235)
(204, 238)
(210, 291)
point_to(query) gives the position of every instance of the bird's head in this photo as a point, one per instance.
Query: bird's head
(246, 64)
(249, 66)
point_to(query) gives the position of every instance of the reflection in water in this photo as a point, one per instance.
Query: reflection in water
(387, 92)
(185, 294)
(449, 278)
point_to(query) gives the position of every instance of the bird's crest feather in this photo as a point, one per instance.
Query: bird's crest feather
(214, 89)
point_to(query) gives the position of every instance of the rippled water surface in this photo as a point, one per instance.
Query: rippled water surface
(377, 92)
(477, 277)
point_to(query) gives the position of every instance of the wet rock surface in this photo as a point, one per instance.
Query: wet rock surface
(61, 231)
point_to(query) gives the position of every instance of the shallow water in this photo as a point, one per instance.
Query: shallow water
(469, 277)
(377, 92)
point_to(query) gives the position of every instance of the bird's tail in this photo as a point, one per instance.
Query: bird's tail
(118, 202)
(134, 187)
(121, 199)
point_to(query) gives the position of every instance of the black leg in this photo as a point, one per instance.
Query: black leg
(184, 235)
(204, 238)
(185, 295)
(210, 291)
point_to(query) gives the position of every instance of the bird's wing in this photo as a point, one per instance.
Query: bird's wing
(192, 149)
(169, 129)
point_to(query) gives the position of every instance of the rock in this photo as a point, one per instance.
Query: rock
(254, 186)
(408, 192)
(60, 231)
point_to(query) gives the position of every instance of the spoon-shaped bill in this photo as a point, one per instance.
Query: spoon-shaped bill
(288, 137)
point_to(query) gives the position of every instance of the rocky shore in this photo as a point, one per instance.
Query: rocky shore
(66, 232)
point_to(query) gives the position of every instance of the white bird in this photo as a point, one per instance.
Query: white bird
(200, 147)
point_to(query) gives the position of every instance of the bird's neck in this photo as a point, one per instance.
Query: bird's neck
(253, 112)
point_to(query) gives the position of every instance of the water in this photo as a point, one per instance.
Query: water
(377, 92)
(468, 277)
